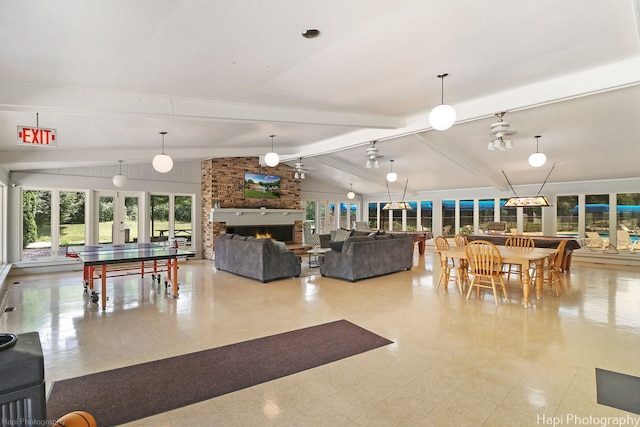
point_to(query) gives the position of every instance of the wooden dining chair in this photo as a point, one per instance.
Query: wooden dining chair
(463, 268)
(485, 265)
(446, 264)
(518, 241)
(553, 270)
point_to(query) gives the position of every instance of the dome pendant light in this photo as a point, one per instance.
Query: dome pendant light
(120, 180)
(392, 176)
(272, 159)
(443, 116)
(351, 195)
(161, 162)
(537, 159)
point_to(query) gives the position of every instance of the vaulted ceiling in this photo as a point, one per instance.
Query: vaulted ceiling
(220, 76)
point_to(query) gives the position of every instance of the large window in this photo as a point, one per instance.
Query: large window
(182, 216)
(508, 215)
(72, 222)
(412, 217)
(567, 215)
(373, 216)
(597, 213)
(36, 223)
(486, 213)
(628, 215)
(448, 217)
(466, 216)
(159, 217)
(532, 220)
(426, 215)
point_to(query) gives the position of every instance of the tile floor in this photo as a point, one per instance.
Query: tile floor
(453, 362)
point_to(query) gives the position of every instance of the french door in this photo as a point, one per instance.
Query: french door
(117, 217)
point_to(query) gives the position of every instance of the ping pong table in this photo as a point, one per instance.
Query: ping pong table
(102, 261)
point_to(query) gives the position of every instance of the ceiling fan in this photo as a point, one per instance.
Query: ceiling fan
(373, 156)
(500, 130)
(300, 171)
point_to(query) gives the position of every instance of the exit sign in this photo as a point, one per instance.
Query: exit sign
(36, 136)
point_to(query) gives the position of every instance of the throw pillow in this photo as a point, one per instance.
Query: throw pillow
(336, 246)
(341, 235)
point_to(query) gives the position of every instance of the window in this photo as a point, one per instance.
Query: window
(508, 215)
(448, 217)
(159, 217)
(426, 215)
(597, 213)
(412, 217)
(466, 216)
(373, 216)
(567, 215)
(532, 220)
(72, 222)
(36, 223)
(628, 214)
(182, 216)
(486, 213)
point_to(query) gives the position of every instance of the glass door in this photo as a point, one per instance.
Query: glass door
(118, 217)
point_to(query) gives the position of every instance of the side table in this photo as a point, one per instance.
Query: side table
(314, 254)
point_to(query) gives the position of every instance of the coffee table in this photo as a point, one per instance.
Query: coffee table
(314, 254)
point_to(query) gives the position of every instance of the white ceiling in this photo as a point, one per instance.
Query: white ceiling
(220, 76)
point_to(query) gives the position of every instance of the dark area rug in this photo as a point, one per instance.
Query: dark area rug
(127, 394)
(618, 390)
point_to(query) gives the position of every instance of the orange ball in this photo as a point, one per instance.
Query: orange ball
(76, 419)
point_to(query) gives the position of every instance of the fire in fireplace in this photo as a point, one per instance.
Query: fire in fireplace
(283, 233)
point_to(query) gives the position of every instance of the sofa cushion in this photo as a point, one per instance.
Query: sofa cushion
(280, 246)
(341, 235)
(239, 237)
(350, 240)
(226, 236)
(382, 237)
(359, 233)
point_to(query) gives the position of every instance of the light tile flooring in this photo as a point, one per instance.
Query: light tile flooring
(453, 362)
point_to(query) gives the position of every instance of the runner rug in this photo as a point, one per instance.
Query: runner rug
(127, 394)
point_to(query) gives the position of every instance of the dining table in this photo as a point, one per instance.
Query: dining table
(526, 257)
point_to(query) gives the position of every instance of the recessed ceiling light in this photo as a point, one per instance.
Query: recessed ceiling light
(310, 34)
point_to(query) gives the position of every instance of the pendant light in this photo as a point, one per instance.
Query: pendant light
(443, 116)
(392, 176)
(351, 195)
(271, 158)
(161, 162)
(120, 180)
(537, 159)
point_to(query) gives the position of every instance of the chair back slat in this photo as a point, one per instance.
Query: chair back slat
(484, 258)
(461, 240)
(441, 243)
(520, 241)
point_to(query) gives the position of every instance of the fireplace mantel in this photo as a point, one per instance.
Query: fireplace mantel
(256, 216)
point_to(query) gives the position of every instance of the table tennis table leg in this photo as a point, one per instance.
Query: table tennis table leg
(172, 267)
(104, 287)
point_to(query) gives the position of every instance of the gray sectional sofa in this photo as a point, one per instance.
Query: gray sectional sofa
(361, 257)
(260, 259)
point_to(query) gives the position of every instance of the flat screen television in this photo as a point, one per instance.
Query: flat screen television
(261, 186)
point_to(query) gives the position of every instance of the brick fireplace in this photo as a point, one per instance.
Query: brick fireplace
(223, 186)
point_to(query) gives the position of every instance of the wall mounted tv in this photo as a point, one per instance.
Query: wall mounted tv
(261, 186)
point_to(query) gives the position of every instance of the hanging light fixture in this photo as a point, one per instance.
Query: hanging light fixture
(392, 176)
(537, 159)
(271, 158)
(443, 116)
(161, 162)
(120, 180)
(351, 195)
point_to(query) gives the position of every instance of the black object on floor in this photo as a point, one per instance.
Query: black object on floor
(618, 390)
(127, 394)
